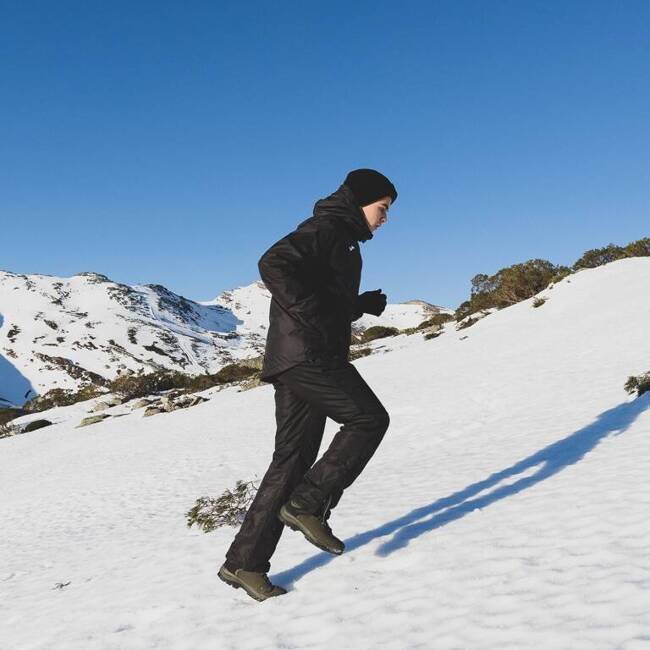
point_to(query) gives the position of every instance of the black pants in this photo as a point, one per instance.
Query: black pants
(305, 396)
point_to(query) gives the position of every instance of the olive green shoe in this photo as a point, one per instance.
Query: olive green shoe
(316, 530)
(256, 585)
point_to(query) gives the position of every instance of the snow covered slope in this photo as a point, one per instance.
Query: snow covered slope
(59, 332)
(507, 506)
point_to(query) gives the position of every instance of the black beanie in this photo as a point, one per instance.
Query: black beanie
(369, 186)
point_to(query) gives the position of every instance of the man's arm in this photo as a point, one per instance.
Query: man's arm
(358, 312)
(288, 268)
(285, 270)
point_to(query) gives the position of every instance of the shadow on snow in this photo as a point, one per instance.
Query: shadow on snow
(546, 463)
(14, 388)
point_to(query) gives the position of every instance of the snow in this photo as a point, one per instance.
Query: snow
(507, 506)
(106, 328)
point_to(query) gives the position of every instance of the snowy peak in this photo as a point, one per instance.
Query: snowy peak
(60, 332)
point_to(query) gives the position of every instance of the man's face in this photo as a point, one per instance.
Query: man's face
(377, 213)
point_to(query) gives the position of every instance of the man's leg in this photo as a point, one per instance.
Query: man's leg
(298, 437)
(343, 395)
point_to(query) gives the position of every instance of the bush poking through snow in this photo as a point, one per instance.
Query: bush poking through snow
(62, 397)
(228, 510)
(357, 353)
(8, 414)
(141, 385)
(538, 302)
(508, 286)
(640, 384)
(515, 283)
(437, 320)
(378, 332)
(468, 322)
(7, 430)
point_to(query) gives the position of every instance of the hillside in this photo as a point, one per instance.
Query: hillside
(506, 507)
(64, 332)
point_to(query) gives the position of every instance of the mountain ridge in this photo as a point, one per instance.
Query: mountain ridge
(63, 332)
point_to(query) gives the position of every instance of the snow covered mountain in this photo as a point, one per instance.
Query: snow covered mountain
(507, 506)
(61, 332)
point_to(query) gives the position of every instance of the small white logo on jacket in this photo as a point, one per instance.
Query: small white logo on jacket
(352, 247)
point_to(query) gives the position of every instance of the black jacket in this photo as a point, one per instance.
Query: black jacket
(313, 274)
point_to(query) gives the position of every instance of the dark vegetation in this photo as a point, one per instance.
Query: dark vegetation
(508, 286)
(229, 509)
(140, 385)
(639, 384)
(134, 385)
(8, 414)
(378, 332)
(62, 397)
(518, 282)
(437, 320)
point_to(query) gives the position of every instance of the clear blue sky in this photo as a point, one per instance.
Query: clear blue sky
(174, 142)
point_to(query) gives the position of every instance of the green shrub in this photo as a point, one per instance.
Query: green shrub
(234, 372)
(62, 397)
(140, 385)
(562, 272)
(357, 353)
(437, 320)
(610, 253)
(8, 430)
(640, 384)
(467, 323)
(520, 281)
(599, 256)
(507, 286)
(227, 510)
(8, 414)
(378, 332)
(639, 248)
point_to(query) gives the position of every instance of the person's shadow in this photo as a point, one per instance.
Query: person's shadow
(546, 462)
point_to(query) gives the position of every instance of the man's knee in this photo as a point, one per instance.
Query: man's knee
(375, 421)
(383, 420)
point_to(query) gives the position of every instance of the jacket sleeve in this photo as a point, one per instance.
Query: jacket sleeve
(288, 269)
(334, 249)
(285, 269)
(358, 312)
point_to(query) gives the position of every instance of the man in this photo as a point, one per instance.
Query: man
(313, 274)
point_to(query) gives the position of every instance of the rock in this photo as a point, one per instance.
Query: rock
(197, 399)
(141, 403)
(36, 424)
(92, 420)
(168, 404)
(115, 400)
(100, 406)
(152, 410)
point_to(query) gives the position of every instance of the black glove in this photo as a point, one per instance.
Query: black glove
(372, 302)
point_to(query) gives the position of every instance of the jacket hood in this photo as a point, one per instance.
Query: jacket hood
(342, 205)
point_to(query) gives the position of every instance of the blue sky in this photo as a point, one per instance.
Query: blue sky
(173, 143)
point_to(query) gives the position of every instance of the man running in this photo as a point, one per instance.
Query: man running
(313, 275)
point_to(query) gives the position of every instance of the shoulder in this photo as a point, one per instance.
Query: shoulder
(333, 231)
(322, 235)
